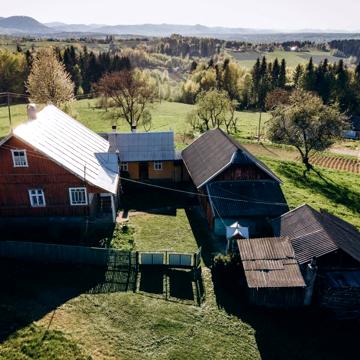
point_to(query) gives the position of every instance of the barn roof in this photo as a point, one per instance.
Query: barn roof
(270, 263)
(314, 234)
(231, 199)
(72, 146)
(146, 146)
(213, 152)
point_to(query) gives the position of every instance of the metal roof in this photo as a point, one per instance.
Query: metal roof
(146, 146)
(270, 263)
(213, 152)
(72, 146)
(246, 198)
(314, 234)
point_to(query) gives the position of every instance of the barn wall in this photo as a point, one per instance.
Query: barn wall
(277, 297)
(41, 173)
(242, 172)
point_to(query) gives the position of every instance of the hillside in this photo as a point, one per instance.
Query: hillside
(22, 24)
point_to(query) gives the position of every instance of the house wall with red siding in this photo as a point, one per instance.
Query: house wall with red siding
(41, 173)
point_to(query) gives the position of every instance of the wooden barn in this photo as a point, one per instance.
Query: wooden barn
(147, 155)
(271, 272)
(54, 167)
(327, 249)
(221, 169)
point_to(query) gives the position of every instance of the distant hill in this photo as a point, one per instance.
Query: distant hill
(22, 24)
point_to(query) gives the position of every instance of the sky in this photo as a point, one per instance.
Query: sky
(260, 14)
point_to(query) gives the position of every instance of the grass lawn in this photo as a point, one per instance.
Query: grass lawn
(163, 232)
(166, 116)
(248, 59)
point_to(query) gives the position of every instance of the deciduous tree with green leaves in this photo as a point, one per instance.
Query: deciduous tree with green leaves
(306, 123)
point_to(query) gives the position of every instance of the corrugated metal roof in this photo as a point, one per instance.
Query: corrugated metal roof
(314, 234)
(146, 146)
(247, 198)
(213, 152)
(270, 263)
(71, 145)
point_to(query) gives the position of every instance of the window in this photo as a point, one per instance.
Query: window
(124, 166)
(158, 165)
(37, 197)
(78, 196)
(19, 158)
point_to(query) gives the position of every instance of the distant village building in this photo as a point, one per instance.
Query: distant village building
(54, 167)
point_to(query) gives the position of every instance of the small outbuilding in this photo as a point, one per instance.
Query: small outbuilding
(272, 274)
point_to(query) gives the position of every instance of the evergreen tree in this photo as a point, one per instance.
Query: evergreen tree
(275, 73)
(282, 75)
(297, 76)
(309, 77)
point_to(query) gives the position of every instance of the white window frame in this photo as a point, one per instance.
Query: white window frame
(72, 203)
(38, 194)
(158, 165)
(124, 166)
(25, 164)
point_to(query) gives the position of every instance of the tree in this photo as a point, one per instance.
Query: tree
(13, 71)
(282, 75)
(48, 81)
(305, 123)
(276, 97)
(308, 81)
(298, 73)
(132, 93)
(214, 109)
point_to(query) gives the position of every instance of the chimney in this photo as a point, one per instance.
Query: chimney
(113, 128)
(133, 128)
(31, 111)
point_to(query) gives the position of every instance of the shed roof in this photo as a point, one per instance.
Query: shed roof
(231, 199)
(213, 152)
(314, 234)
(145, 146)
(270, 263)
(72, 146)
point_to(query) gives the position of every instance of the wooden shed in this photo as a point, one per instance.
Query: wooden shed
(271, 272)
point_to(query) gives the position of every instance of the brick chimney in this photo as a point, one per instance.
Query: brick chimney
(31, 111)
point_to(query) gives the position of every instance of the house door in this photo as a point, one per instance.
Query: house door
(144, 170)
(105, 204)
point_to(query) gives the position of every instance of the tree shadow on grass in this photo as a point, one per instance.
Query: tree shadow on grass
(321, 184)
(300, 334)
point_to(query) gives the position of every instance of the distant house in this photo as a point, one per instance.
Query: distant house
(147, 155)
(354, 129)
(54, 167)
(327, 249)
(221, 169)
(271, 272)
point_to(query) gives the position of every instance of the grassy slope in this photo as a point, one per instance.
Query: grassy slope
(165, 115)
(247, 60)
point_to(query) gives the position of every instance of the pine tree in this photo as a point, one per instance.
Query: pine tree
(275, 73)
(297, 76)
(309, 77)
(282, 75)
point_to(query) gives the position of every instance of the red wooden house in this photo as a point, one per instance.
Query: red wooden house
(53, 166)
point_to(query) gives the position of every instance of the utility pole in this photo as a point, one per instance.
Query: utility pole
(259, 126)
(8, 104)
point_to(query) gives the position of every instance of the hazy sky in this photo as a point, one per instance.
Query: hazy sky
(264, 14)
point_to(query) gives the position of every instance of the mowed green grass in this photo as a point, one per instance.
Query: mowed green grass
(165, 116)
(248, 59)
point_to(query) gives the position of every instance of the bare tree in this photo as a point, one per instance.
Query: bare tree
(132, 93)
(48, 81)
